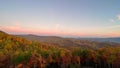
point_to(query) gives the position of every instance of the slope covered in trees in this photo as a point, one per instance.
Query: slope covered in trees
(17, 52)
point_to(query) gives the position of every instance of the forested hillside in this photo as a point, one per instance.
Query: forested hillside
(17, 52)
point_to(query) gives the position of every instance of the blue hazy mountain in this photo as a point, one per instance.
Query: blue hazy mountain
(113, 39)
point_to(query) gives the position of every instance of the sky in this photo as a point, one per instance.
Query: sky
(73, 18)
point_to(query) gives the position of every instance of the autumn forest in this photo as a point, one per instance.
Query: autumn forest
(17, 52)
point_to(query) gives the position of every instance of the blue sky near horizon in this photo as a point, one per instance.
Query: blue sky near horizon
(86, 18)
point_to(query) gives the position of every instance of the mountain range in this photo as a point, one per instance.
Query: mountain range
(111, 39)
(74, 42)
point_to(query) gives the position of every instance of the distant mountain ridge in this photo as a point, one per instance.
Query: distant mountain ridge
(53, 38)
(71, 42)
(112, 39)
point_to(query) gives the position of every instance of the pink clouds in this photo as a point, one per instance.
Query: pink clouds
(17, 28)
(112, 20)
(118, 17)
(20, 30)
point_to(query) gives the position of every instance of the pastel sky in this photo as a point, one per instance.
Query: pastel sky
(83, 18)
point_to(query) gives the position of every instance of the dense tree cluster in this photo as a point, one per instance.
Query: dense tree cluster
(16, 52)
